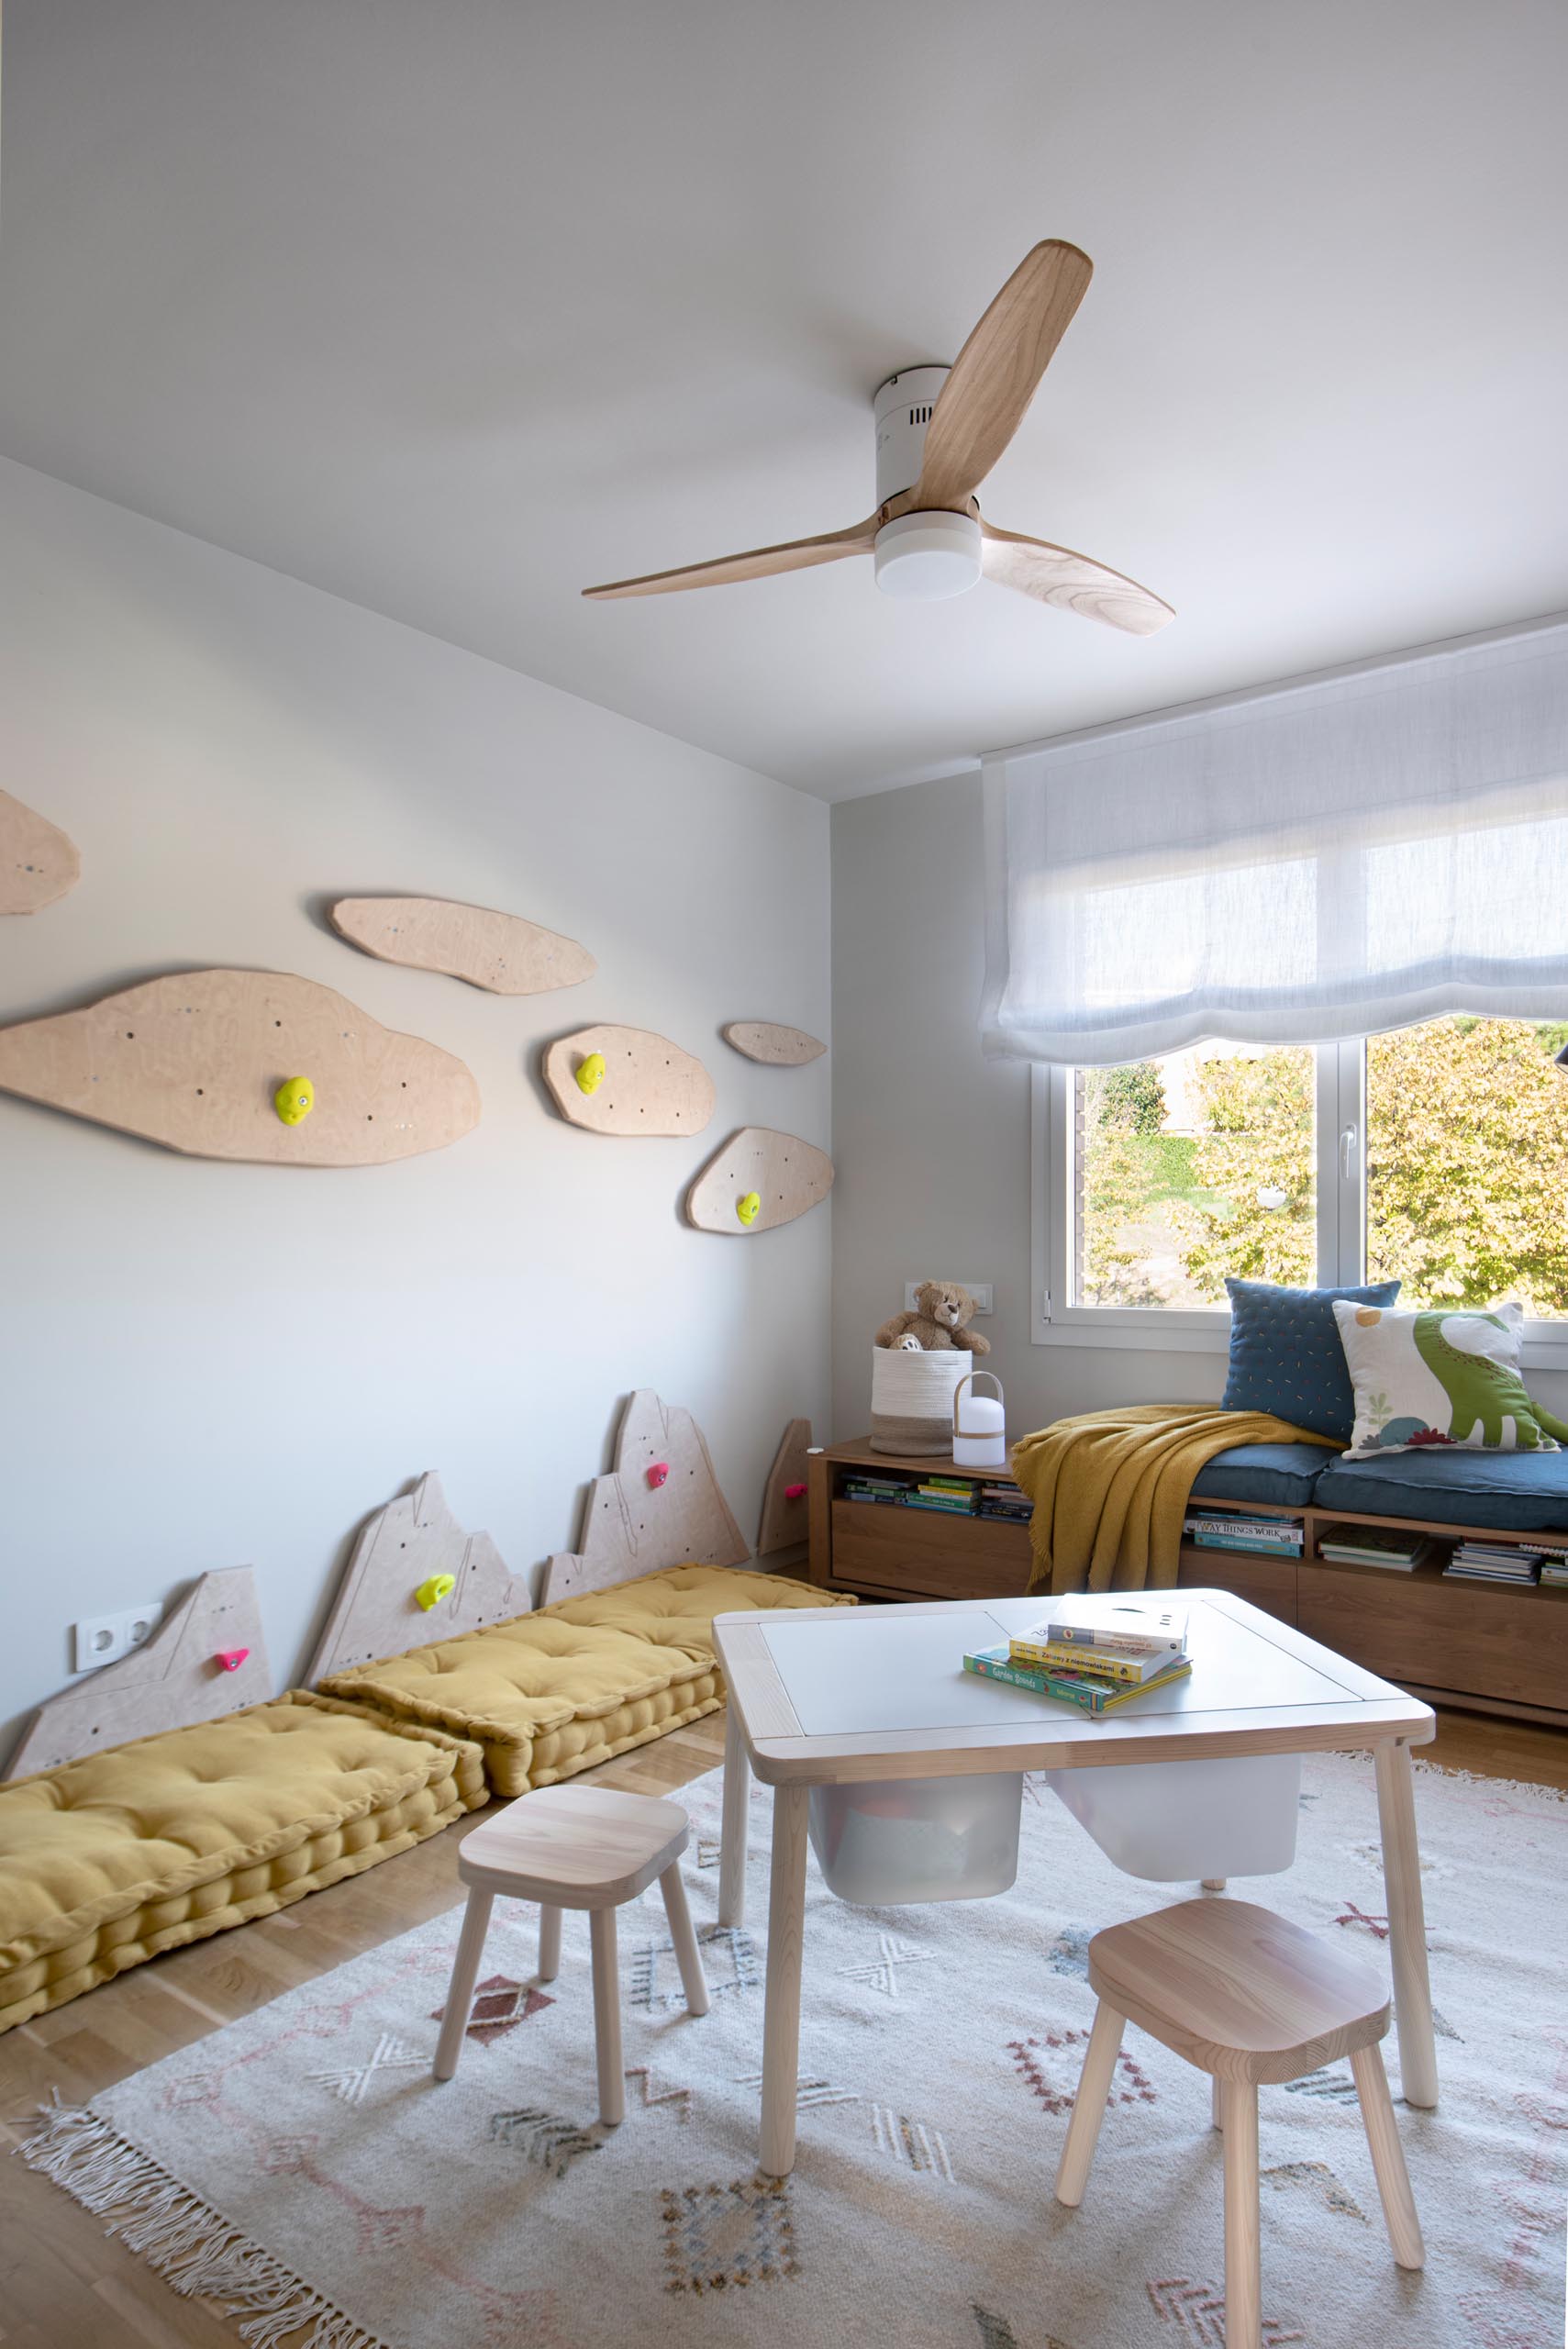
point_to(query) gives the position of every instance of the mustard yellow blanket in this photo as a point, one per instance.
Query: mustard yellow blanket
(1110, 1488)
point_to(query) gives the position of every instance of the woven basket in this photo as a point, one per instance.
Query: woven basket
(911, 1398)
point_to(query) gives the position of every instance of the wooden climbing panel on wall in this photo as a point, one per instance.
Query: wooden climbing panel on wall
(638, 1518)
(37, 863)
(627, 1081)
(759, 1180)
(179, 1678)
(391, 1596)
(763, 1040)
(194, 1062)
(500, 952)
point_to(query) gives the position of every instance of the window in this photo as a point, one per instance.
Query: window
(1436, 1156)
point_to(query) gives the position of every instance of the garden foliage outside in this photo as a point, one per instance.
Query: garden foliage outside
(1467, 1171)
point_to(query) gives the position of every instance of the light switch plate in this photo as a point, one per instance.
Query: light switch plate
(979, 1290)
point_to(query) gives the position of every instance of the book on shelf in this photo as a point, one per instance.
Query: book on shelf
(1113, 1620)
(1249, 1542)
(1492, 1562)
(1091, 1695)
(1372, 1545)
(1478, 1574)
(1555, 1571)
(1478, 1560)
(1270, 1533)
(1102, 1663)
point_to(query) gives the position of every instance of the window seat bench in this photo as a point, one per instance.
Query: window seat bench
(1491, 1647)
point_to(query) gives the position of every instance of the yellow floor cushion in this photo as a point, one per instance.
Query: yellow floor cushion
(109, 1860)
(552, 1693)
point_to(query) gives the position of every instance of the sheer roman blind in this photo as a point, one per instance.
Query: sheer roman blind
(1354, 853)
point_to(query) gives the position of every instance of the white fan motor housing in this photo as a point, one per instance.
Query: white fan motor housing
(921, 557)
(903, 410)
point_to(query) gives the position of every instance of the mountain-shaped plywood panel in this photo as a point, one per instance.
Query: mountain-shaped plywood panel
(207, 1657)
(195, 1061)
(37, 863)
(414, 1576)
(638, 1518)
(759, 1180)
(783, 1496)
(627, 1081)
(500, 952)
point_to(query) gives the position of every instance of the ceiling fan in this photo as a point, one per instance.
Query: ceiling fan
(939, 433)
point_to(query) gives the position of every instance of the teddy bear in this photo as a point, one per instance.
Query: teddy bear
(938, 1324)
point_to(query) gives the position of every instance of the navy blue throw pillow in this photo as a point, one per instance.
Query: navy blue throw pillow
(1285, 1355)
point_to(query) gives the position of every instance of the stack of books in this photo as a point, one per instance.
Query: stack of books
(955, 1494)
(860, 1487)
(1492, 1562)
(1092, 1652)
(1554, 1563)
(1006, 1501)
(1274, 1537)
(1373, 1545)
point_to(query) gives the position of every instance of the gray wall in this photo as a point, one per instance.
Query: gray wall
(207, 1364)
(932, 1142)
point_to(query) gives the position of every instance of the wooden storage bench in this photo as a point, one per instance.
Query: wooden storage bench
(1489, 1646)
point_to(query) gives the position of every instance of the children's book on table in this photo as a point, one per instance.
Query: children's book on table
(1094, 1652)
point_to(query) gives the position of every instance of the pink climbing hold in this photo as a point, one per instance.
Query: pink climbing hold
(230, 1659)
(795, 1492)
(658, 1473)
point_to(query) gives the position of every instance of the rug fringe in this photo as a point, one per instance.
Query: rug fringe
(1485, 1779)
(196, 2250)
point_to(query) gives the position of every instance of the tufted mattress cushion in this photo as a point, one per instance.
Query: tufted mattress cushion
(552, 1693)
(109, 1860)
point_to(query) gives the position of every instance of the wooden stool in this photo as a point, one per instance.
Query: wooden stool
(575, 1847)
(1246, 1997)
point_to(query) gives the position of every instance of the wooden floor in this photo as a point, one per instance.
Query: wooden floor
(64, 2283)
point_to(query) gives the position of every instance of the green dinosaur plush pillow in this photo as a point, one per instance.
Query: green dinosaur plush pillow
(1440, 1378)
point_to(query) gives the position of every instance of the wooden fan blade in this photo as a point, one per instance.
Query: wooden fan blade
(1057, 575)
(993, 379)
(796, 554)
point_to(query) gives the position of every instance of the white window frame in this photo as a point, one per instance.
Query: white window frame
(1056, 1320)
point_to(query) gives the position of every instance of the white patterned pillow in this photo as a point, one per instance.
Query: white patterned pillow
(1440, 1378)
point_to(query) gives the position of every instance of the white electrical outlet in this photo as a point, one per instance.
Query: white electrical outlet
(105, 1638)
(979, 1290)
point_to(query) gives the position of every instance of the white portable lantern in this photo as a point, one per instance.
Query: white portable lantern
(979, 1434)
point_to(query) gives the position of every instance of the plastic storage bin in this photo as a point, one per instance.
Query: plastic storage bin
(882, 1842)
(1172, 1821)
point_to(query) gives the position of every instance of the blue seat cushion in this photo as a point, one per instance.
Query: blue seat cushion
(1286, 1356)
(1284, 1472)
(1514, 1492)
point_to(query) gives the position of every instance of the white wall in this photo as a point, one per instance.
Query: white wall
(207, 1364)
(932, 1142)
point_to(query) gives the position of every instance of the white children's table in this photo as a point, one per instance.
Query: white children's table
(833, 1695)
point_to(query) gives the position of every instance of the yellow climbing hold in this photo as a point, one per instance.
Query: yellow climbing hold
(747, 1208)
(591, 1073)
(295, 1100)
(430, 1594)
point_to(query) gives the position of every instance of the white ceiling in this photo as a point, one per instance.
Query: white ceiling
(455, 308)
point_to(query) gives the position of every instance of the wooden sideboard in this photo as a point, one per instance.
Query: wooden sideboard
(1488, 1646)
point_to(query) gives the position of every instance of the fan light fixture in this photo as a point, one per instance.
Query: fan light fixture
(923, 558)
(939, 433)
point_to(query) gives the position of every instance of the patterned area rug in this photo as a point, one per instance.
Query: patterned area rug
(300, 2165)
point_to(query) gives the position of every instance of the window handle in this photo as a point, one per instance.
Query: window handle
(1347, 1139)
